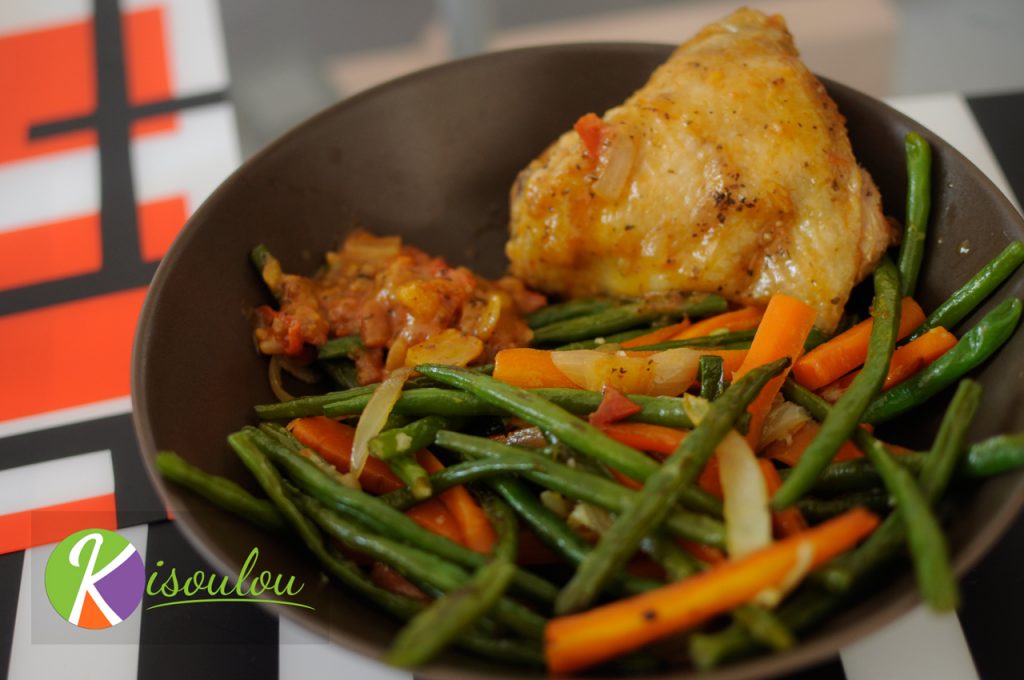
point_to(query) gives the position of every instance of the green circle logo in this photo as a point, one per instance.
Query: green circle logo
(95, 578)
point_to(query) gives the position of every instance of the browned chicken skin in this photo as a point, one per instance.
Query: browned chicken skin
(730, 171)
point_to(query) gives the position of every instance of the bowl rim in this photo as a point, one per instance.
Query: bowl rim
(804, 654)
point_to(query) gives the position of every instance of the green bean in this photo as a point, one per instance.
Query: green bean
(614, 339)
(548, 526)
(817, 510)
(713, 340)
(995, 455)
(344, 570)
(653, 503)
(850, 476)
(546, 408)
(555, 533)
(444, 620)
(349, 574)
(625, 316)
(977, 345)
(919, 189)
(666, 411)
(417, 565)
(764, 626)
(986, 458)
(314, 405)
(261, 259)
(582, 486)
(456, 475)
(936, 471)
(570, 309)
(950, 441)
(712, 377)
(284, 437)
(220, 491)
(308, 406)
(677, 563)
(410, 438)
(521, 652)
(408, 469)
(845, 416)
(342, 371)
(340, 347)
(538, 411)
(444, 403)
(973, 293)
(799, 613)
(381, 517)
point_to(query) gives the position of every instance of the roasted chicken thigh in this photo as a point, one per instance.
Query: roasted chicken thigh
(730, 171)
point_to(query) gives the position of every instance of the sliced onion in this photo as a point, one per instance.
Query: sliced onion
(303, 372)
(620, 155)
(588, 518)
(556, 503)
(783, 420)
(449, 347)
(665, 373)
(771, 597)
(674, 371)
(748, 520)
(592, 370)
(376, 413)
(695, 407)
(274, 375)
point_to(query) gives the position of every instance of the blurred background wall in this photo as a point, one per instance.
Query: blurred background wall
(291, 59)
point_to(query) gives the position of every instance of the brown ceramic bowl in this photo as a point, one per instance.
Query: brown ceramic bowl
(431, 157)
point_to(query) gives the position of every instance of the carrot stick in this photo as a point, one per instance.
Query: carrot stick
(657, 335)
(784, 522)
(390, 580)
(911, 357)
(333, 441)
(705, 553)
(529, 368)
(782, 333)
(645, 437)
(661, 441)
(710, 478)
(433, 516)
(575, 642)
(790, 453)
(477, 532)
(625, 481)
(840, 355)
(738, 320)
